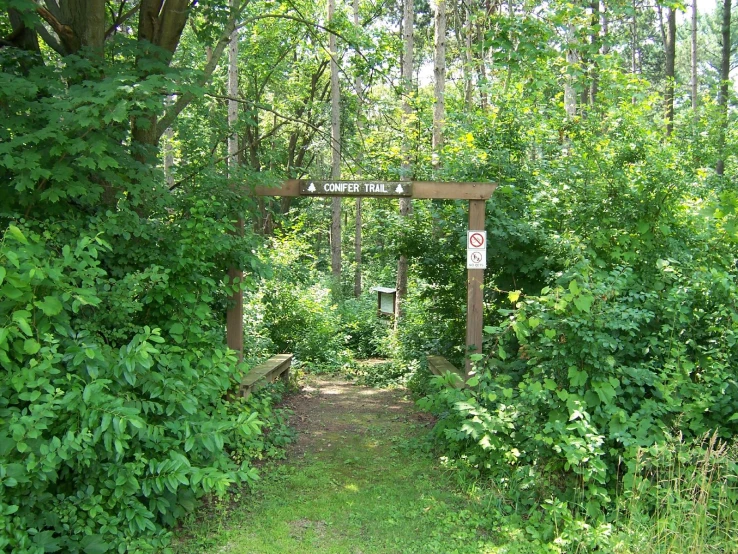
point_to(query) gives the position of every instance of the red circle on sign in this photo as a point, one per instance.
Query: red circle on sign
(476, 240)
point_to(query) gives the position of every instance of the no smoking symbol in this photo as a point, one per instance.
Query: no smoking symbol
(476, 257)
(476, 240)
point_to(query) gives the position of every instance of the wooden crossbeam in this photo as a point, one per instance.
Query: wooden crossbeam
(420, 190)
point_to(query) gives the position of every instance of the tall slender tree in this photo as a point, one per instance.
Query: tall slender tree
(358, 87)
(234, 313)
(408, 28)
(335, 154)
(724, 85)
(693, 51)
(668, 32)
(439, 73)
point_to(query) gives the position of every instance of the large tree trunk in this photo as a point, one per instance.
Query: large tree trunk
(161, 24)
(439, 73)
(408, 27)
(724, 87)
(86, 18)
(335, 156)
(234, 314)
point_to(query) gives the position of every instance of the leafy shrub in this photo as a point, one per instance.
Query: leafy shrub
(596, 368)
(366, 331)
(381, 373)
(305, 322)
(103, 444)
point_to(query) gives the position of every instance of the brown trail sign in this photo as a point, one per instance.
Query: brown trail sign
(476, 193)
(392, 189)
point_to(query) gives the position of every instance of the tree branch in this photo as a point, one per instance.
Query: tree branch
(171, 114)
(121, 18)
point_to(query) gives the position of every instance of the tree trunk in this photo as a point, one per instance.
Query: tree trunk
(86, 18)
(670, 51)
(570, 93)
(594, 38)
(439, 73)
(357, 250)
(634, 40)
(234, 313)
(724, 87)
(161, 25)
(335, 156)
(469, 62)
(694, 56)
(408, 26)
(358, 86)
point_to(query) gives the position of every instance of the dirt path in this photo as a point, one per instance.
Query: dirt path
(355, 482)
(328, 411)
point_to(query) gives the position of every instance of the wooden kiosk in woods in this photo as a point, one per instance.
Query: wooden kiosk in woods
(476, 193)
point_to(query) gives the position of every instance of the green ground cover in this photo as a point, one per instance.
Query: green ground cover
(356, 481)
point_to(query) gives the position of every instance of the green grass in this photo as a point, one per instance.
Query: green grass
(369, 492)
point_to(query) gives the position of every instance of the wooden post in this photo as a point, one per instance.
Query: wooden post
(475, 294)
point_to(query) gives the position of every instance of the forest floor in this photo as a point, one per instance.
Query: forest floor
(357, 480)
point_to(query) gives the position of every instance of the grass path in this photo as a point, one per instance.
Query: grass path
(354, 483)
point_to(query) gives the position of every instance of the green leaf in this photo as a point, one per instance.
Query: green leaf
(17, 234)
(21, 317)
(2, 275)
(473, 381)
(501, 353)
(50, 305)
(584, 302)
(94, 544)
(30, 346)
(574, 287)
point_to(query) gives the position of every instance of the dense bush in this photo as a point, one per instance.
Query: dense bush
(367, 332)
(632, 341)
(104, 439)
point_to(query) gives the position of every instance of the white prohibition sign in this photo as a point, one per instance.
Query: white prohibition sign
(476, 259)
(476, 239)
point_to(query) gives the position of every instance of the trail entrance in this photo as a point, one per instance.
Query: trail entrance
(356, 481)
(477, 195)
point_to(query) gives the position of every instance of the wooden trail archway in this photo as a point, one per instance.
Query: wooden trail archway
(476, 193)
